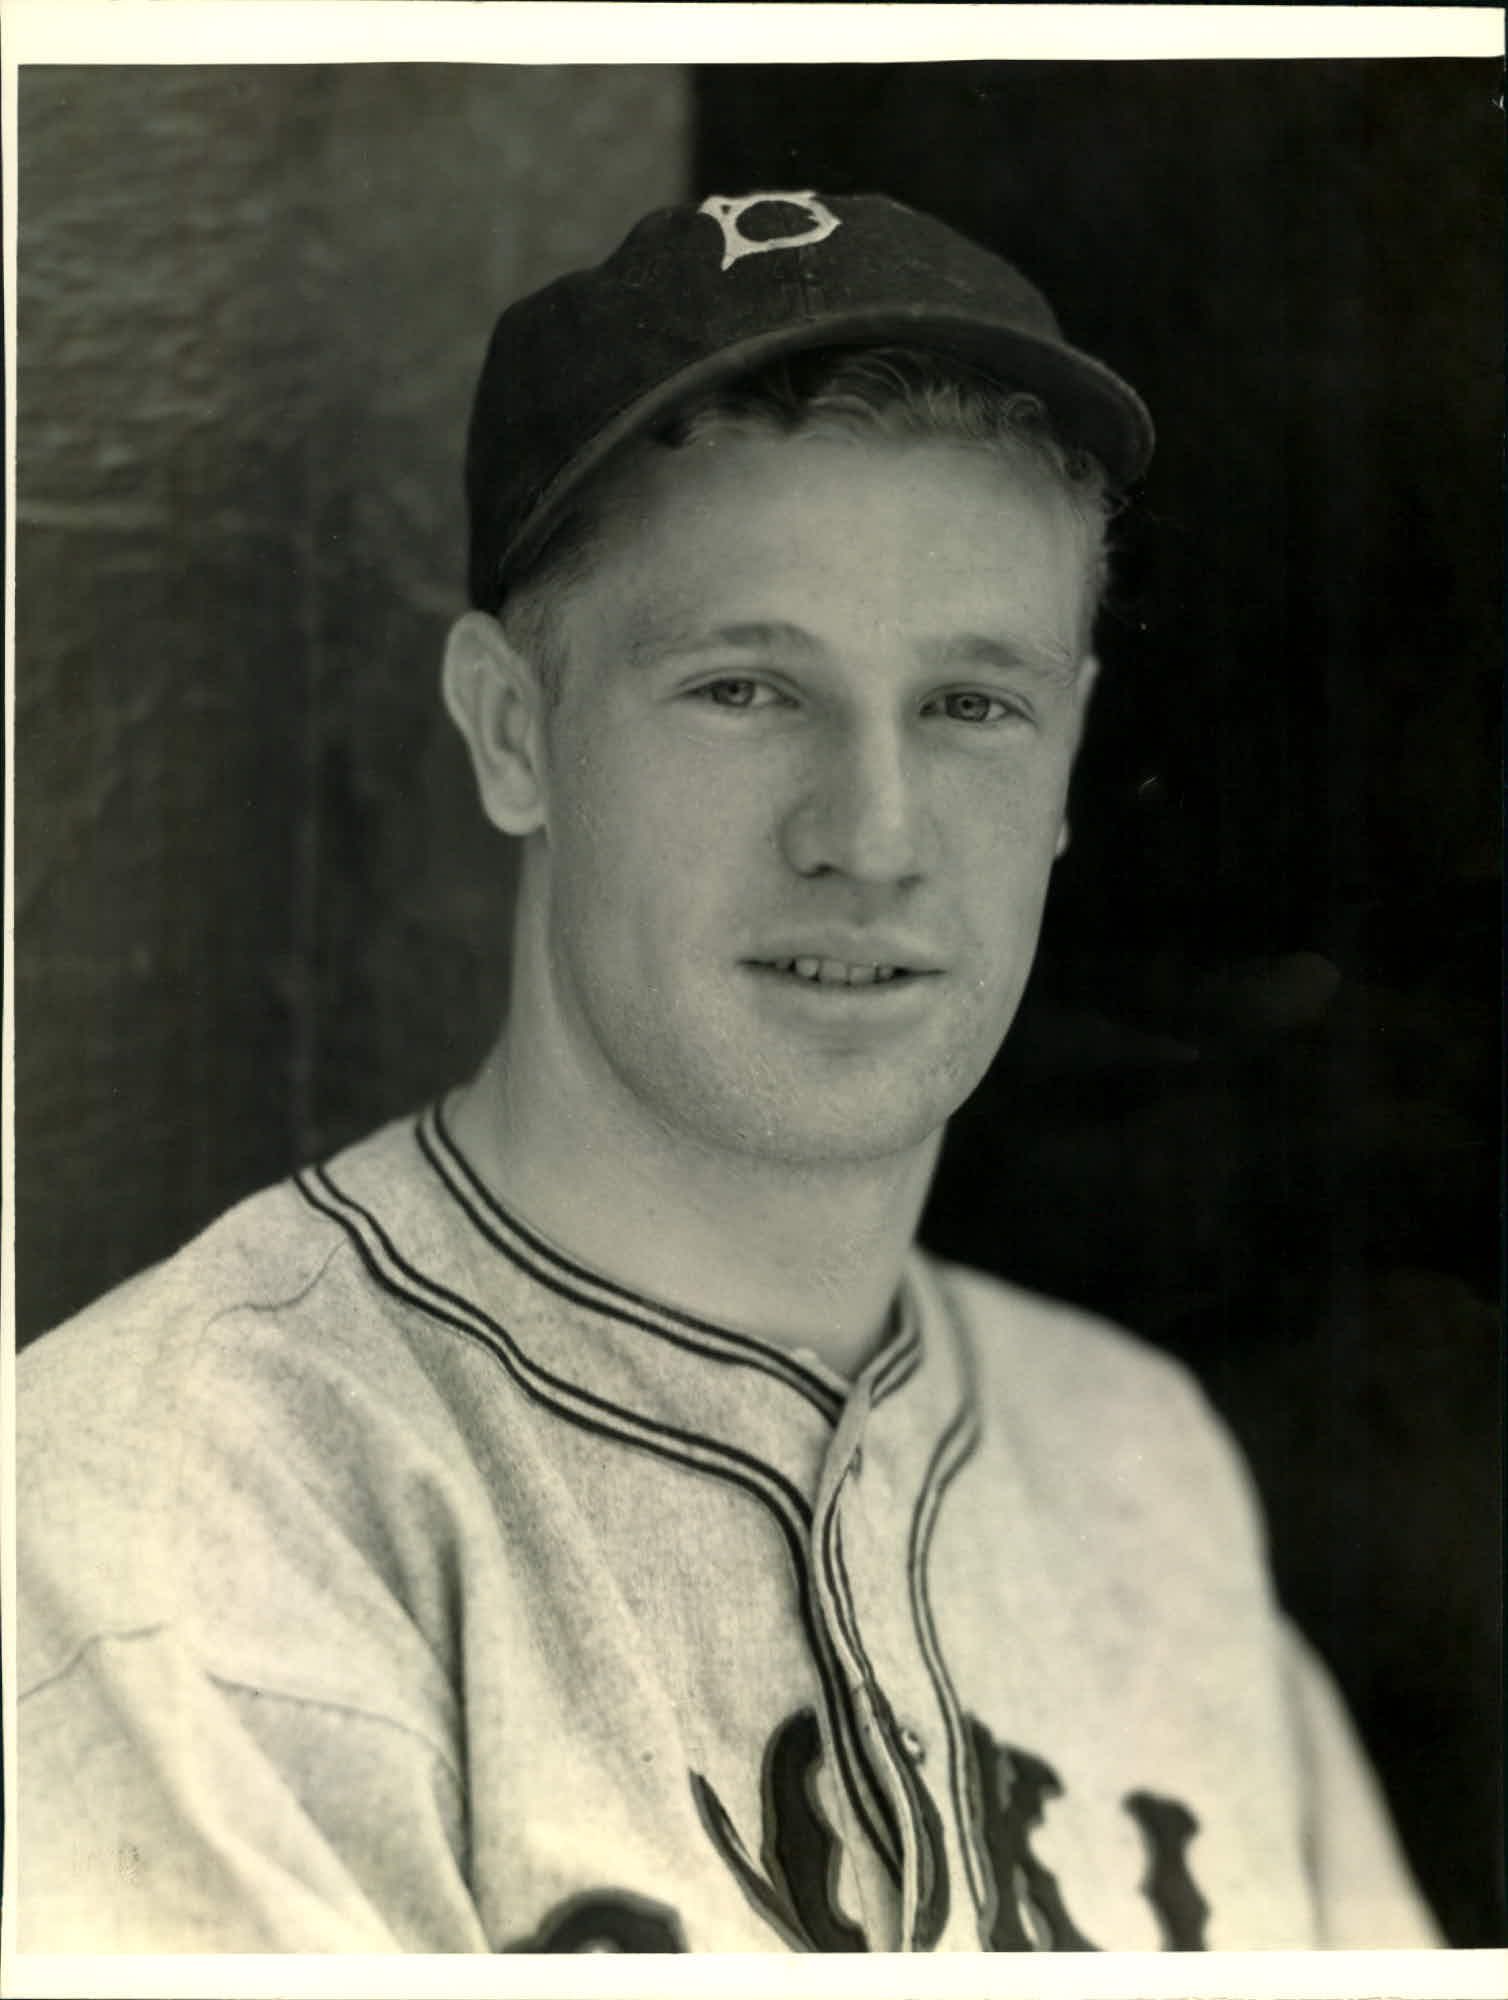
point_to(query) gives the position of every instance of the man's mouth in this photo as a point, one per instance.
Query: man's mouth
(836, 971)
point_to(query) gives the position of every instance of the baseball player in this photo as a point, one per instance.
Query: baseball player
(579, 1516)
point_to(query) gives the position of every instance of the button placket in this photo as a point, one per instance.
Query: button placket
(893, 1750)
(905, 1428)
(838, 1494)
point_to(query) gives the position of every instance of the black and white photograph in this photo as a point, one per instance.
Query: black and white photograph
(754, 1024)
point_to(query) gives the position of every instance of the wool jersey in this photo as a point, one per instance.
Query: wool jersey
(391, 1581)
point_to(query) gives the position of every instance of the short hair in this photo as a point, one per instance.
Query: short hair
(903, 393)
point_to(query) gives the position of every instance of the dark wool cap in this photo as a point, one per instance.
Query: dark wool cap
(696, 295)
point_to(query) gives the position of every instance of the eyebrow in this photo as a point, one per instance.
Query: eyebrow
(961, 652)
(980, 651)
(754, 636)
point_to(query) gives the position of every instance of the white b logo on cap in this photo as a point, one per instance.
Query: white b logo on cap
(728, 212)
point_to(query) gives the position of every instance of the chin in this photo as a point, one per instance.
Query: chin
(766, 1099)
(835, 1128)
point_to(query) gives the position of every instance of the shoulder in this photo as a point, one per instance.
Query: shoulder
(1097, 1413)
(264, 1254)
(233, 1413)
(127, 1358)
(1065, 1350)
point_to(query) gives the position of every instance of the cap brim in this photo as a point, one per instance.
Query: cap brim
(1091, 407)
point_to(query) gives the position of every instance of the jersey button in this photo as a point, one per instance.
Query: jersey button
(913, 1745)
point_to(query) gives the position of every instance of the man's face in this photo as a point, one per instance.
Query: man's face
(803, 784)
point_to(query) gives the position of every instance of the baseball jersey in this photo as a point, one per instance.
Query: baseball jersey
(391, 1581)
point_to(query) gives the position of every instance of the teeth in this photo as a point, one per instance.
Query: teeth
(835, 972)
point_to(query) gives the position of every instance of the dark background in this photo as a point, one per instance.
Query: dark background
(1251, 1106)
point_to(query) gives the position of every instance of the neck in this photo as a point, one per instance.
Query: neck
(807, 1256)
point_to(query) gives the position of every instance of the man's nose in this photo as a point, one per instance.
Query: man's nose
(860, 811)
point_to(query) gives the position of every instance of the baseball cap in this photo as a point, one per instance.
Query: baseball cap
(695, 295)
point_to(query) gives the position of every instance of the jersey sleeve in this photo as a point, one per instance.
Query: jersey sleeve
(162, 1808)
(234, 1730)
(1365, 1895)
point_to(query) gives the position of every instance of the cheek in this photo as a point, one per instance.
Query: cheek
(600, 790)
(641, 842)
(659, 802)
(1004, 826)
(1002, 850)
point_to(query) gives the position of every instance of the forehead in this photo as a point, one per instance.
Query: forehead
(839, 529)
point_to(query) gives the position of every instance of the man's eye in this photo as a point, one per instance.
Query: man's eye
(735, 691)
(969, 705)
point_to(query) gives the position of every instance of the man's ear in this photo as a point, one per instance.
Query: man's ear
(493, 697)
(1088, 674)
